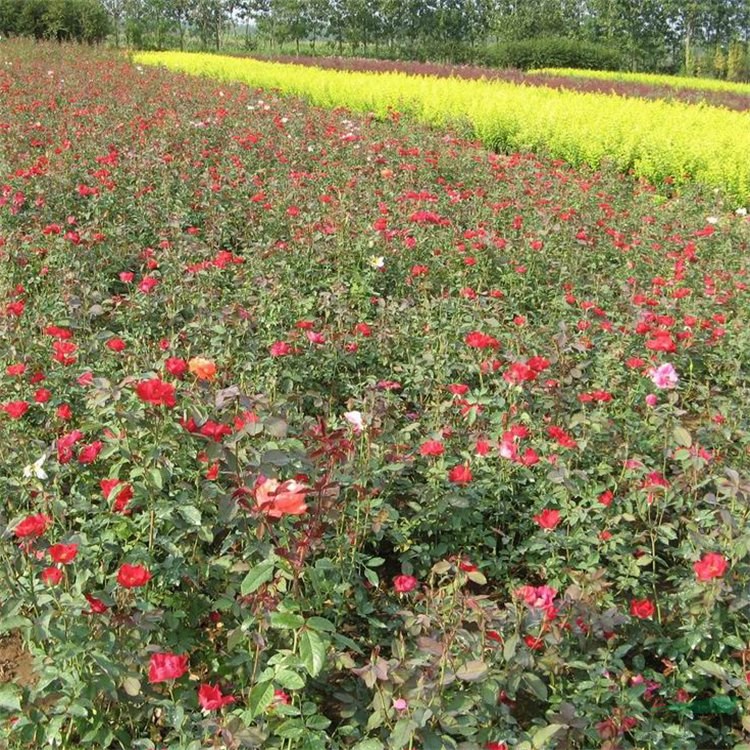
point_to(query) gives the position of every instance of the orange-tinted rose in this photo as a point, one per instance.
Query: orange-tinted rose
(202, 368)
(277, 500)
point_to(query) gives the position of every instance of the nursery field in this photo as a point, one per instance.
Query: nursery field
(331, 430)
(658, 140)
(684, 83)
(693, 90)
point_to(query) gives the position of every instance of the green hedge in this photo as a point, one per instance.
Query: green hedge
(541, 51)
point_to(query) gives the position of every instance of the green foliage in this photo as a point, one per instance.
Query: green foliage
(63, 20)
(553, 52)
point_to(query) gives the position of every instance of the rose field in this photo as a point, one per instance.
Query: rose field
(657, 140)
(324, 429)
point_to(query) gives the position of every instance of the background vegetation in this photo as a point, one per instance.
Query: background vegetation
(697, 37)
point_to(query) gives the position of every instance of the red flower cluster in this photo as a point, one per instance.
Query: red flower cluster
(157, 392)
(133, 576)
(166, 666)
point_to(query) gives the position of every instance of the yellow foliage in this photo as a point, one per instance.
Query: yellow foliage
(654, 138)
(651, 79)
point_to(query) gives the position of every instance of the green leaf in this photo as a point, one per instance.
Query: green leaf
(540, 738)
(132, 686)
(256, 577)
(682, 437)
(286, 620)
(719, 704)
(535, 685)
(289, 680)
(369, 744)
(156, 479)
(276, 427)
(320, 623)
(318, 722)
(402, 733)
(312, 651)
(472, 671)
(711, 668)
(15, 622)
(275, 458)
(10, 698)
(191, 514)
(476, 577)
(509, 647)
(260, 698)
(291, 729)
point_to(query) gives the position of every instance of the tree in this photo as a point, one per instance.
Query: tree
(208, 17)
(116, 10)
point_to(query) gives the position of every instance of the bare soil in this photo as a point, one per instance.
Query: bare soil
(16, 664)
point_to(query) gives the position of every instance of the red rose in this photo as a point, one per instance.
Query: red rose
(42, 395)
(642, 608)
(116, 345)
(210, 697)
(533, 642)
(121, 497)
(16, 370)
(155, 391)
(280, 349)
(548, 519)
(65, 445)
(432, 448)
(51, 576)
(479, 340)
(606, 498)
(460, 474)
(176, 367)
(403, 584)
(89, 453)
(63, 553)
(15, 409)
(711, 565)
(98, 607)
(133, 576)
(164, 666)
(32, 526)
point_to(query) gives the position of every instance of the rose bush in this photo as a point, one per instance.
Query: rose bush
(453, 498)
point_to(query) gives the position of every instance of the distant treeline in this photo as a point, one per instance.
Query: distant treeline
(702, 37)
(65, 20)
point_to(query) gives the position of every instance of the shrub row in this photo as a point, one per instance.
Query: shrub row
(676, 82)
(582, 128)
(529, 53)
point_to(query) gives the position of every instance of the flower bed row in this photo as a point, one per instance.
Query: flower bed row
(652, 79)
(737, 98)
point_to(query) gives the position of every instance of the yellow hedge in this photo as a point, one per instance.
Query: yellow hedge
(656, 139)
(651, 79)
